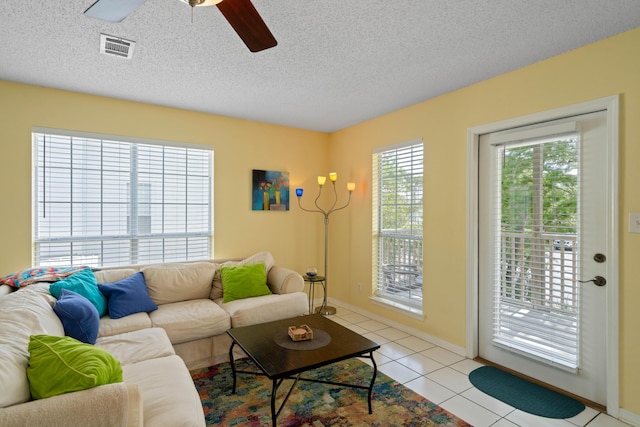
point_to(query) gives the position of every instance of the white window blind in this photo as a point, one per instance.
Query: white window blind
(536, 297)
(104, 202)
(398, 183)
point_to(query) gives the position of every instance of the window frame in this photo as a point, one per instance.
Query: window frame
(405, 273)
(165, 244)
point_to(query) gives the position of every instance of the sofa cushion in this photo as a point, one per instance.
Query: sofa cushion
(59, 365)
(132, 322)
(22, 313)
(267, 308)
(136, 346)
(169, 395)
(244, 281)
(78, 316)
(127, 296)
(261, 257)
(115, 275)
(83, 283)
(190, 320)
(177, 282)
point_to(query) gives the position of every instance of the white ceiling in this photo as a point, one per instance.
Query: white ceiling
(337, 63)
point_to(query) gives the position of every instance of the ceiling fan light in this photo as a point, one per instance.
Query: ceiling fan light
(198, 3)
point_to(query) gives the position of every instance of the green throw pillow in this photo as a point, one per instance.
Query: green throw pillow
(244, 281)
(60, 365)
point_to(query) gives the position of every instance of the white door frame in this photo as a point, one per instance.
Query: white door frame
(610, 104)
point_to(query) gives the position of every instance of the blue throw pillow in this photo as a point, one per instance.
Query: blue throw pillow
(84, 283)
(128, 296)
(78, 316)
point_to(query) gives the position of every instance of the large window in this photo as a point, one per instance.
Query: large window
(398, 182)
(104, 201)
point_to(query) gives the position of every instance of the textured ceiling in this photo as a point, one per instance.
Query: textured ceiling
(337, 63)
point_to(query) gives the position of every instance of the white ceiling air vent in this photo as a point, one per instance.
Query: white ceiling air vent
(116, 46)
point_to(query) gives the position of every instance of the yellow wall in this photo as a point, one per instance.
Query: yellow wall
(296, 238)
(239, 147)
(602, 69)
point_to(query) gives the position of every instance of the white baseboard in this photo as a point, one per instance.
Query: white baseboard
(437, 341)
(629, 417)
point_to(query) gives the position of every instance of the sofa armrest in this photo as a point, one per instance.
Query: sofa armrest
(284, 281)
(5, 290)
(116, 404)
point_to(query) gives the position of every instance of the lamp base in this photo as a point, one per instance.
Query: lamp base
(325, 310)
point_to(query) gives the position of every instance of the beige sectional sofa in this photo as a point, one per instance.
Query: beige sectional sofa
(156, 349)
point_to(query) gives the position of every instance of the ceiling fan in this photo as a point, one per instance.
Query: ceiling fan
(241, 14)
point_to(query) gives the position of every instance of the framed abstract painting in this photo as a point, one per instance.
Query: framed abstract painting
(270, 190)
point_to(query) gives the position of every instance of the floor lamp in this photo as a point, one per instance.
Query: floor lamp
(333, 177)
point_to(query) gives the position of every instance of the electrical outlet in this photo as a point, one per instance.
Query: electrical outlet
(634, 222)
(359, 287)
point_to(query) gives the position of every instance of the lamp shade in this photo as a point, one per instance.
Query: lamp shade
(351, 186)
(299, 192)
(333, 176)
(322, 180)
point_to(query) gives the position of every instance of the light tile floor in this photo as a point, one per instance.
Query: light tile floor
(442, 377)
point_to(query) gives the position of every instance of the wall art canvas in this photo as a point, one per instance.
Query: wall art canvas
(270, 191)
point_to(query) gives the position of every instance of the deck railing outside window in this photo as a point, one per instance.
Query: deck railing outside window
(525, 283)
(400, 267)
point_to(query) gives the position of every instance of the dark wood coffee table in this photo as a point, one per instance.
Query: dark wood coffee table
(280, 363)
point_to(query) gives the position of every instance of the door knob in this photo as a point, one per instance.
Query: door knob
(599, 258)
(598, 281)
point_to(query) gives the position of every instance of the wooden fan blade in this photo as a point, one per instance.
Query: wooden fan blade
(246, 21)
(112, 10)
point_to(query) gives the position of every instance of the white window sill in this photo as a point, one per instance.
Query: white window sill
(407, 310)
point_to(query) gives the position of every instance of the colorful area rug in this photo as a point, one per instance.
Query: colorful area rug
(315, 404)
(523, 394)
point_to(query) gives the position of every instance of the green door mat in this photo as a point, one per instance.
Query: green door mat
(523, 394)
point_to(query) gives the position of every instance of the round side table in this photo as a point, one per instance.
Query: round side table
(323, 309)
